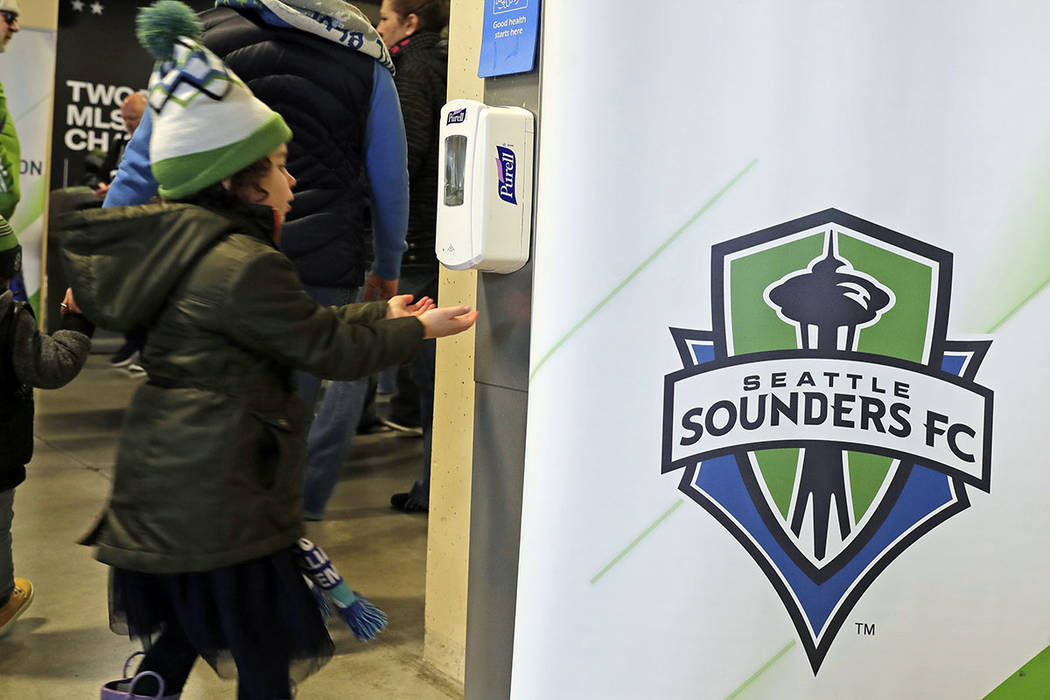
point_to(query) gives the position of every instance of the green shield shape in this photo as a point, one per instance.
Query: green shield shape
(908, 280)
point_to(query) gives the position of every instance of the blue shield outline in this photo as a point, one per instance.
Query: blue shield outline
(819, 599)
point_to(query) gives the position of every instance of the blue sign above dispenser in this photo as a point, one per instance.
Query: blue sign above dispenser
(508, 39)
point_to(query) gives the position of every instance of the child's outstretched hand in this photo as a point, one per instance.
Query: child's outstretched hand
(399, 306)
(447, 320)
(69, 304)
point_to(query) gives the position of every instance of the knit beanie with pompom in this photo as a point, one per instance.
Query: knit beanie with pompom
(207, 124)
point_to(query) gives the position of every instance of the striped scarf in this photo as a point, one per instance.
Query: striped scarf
(334, 20)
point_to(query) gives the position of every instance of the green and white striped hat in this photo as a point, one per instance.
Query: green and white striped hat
(207, 124)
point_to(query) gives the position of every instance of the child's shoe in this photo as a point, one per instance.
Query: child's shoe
(21, 597)
(124, 689)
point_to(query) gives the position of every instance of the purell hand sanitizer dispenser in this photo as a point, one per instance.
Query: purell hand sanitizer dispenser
(485, 188)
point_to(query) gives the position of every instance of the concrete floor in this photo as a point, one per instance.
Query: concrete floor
(62, 647)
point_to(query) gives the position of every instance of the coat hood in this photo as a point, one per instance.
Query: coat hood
(124, 262)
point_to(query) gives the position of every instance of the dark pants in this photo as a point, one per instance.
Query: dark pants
(422, 372)
(7, 566)
(423, 375)
(172, 657)
(404, 405)
(334, 422)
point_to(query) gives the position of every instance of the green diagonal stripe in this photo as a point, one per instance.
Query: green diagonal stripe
(1038, 288)
(645, 263)
(765, 667)
(639, 538)
(31, 207)
(1030, 682)
(29, 111)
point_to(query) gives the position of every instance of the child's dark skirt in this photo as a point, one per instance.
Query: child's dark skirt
(249, 618)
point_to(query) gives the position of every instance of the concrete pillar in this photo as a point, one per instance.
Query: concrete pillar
(449, 528)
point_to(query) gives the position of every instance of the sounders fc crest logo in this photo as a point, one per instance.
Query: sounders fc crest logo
(826, 420)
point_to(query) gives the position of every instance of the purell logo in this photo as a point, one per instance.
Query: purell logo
(827, 420)
(506, 165)
(457, 117)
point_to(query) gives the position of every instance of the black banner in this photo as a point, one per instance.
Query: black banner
(99, 63)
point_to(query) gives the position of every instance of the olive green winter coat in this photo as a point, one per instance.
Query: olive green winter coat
(210, 464)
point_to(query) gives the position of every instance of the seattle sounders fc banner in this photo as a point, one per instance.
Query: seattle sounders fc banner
(786, 425)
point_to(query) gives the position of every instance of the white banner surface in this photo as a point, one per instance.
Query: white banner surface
(27, 72)
(841, 202)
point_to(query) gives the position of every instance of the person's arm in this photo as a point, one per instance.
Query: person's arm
(362, 312)
(134, 182)
(50, 361)
(386, 162)
(267, 310)
(10, 161)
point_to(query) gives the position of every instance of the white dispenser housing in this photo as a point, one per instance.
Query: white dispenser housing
(485, 187)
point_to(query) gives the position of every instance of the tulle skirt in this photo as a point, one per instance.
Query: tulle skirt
(257, 614)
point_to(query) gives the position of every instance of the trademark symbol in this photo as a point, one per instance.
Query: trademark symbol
(864, 629)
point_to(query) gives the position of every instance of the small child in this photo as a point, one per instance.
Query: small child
(28, 358)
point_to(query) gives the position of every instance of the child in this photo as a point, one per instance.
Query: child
(207, 491)
(28, 358)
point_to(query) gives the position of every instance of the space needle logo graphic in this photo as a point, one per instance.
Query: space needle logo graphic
(826, 420)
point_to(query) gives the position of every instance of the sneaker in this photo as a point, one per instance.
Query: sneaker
(407, 503)
(406, 429)
(135, 367)
(21, 597)
(371, 427)
(127, 355)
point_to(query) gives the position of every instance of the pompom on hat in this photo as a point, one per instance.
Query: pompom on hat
(207, 124)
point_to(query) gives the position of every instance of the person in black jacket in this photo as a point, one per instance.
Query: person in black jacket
(28, 358)
(411, 30)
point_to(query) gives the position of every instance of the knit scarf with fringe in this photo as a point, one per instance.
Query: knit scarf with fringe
(334, 20)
